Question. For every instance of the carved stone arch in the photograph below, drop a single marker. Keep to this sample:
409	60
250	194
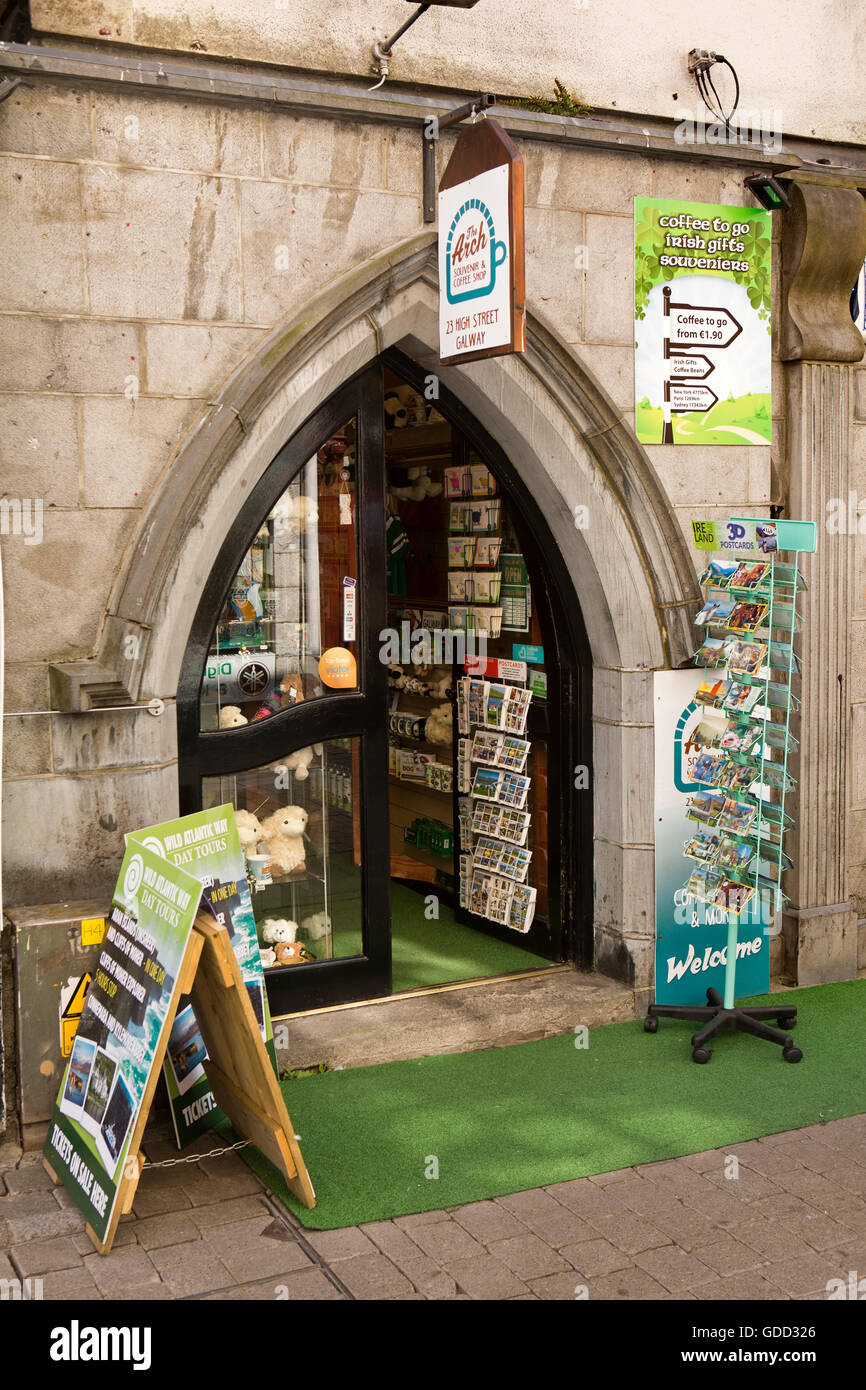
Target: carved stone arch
548	412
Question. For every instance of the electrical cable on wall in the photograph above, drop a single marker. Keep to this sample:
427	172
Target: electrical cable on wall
700	65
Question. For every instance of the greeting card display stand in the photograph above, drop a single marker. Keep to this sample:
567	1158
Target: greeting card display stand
742	768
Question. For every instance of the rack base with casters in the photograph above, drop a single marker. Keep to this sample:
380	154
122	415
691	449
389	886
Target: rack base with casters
716	1019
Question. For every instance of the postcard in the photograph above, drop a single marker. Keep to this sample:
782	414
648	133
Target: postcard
715	612
486	784
712	692
738	740
736	816
748	617
703	885
736	777
460	586
741	698
749	575
733	896
705	807
494	712
461	551
707	766
485	587
483	481
487	549
765	533
733	855
522	908
712	652
456	481
746	657
711	729
702	846
718	573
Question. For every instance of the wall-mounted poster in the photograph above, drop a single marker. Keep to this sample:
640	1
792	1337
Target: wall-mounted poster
702	323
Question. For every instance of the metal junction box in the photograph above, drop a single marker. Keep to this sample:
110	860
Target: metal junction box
55	949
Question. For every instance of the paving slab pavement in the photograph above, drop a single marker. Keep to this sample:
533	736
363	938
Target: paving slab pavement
781	1223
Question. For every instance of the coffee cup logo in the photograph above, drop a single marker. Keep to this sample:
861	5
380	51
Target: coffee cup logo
472	253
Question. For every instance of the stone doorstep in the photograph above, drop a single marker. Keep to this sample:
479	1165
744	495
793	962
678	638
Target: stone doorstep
467	1019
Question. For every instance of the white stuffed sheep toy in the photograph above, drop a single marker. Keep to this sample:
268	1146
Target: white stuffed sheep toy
250	831
317	925
231	717
284	834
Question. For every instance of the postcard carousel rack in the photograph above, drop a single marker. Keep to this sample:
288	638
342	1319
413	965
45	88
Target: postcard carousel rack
740	753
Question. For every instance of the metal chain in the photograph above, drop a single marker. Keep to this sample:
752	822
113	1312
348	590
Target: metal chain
196	1158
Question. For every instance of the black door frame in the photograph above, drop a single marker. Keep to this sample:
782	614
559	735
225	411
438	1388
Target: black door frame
363	713
359	713
567	719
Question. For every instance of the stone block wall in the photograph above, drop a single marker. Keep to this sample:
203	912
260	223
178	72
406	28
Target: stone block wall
152	243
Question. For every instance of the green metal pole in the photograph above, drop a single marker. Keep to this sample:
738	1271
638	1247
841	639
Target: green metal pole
731	959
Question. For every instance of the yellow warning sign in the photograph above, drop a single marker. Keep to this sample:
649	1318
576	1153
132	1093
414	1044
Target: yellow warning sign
71	1013
92	931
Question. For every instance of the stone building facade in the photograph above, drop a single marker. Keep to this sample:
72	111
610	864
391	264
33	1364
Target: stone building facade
200	250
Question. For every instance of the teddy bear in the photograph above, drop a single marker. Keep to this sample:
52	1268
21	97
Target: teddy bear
298	763
269	956
231	717
249	831
317	925
284	835
291	689
281	936
291	953
440	684
396	414
439	726
276	929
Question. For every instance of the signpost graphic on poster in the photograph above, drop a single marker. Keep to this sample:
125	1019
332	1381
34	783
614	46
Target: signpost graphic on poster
702	323
206	844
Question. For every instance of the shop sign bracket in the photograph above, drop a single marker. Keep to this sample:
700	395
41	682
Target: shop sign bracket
429	136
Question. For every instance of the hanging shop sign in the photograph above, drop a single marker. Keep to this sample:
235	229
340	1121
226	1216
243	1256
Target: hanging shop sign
482	298
118	1046
702	323
206	844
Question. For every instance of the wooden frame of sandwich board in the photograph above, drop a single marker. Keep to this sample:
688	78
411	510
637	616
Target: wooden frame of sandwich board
238	1068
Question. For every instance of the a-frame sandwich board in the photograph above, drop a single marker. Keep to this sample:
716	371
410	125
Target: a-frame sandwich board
237	1066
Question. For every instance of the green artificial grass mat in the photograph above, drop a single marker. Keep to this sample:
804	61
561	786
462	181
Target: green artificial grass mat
514	1118
436	951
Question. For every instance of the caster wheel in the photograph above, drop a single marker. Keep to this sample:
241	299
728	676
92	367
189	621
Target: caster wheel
650	1024
701	1055
786	1022
792	1054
